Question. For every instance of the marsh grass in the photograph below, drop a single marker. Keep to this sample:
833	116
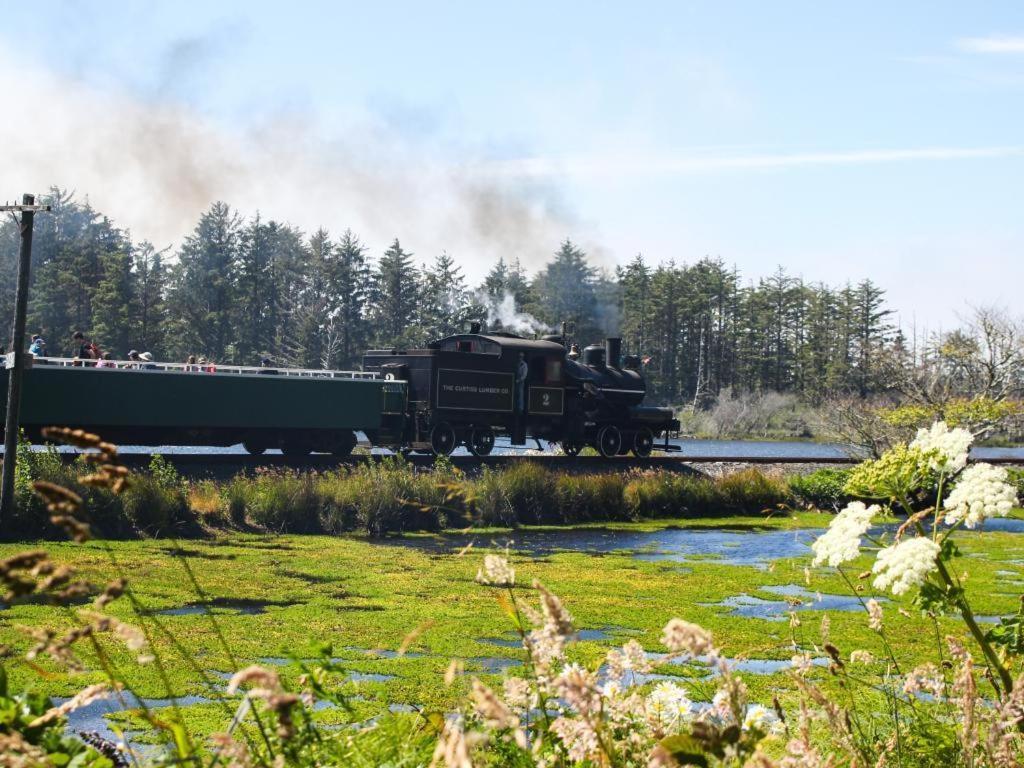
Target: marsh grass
389	497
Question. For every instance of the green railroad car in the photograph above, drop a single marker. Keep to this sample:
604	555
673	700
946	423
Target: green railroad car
170	404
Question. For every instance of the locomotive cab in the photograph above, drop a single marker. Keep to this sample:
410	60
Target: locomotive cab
467	388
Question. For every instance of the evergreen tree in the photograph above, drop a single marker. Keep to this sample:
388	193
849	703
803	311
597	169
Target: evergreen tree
496	282
114	306
445	304
255	321
347	330
564	292
203	291
872	331
635	280
151	319
395	296
518	284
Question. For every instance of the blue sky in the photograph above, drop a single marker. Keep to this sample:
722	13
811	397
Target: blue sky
840	140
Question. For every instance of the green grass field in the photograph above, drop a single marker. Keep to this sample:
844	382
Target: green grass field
357	596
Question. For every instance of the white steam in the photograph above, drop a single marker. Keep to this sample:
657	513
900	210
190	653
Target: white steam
503	315
154	168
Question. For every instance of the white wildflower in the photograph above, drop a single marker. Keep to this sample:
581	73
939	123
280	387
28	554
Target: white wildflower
950	446
924	679
611	690
802	663
636	658
518	694
905	565
453	748
759	717
720	705
841	543
492	710
455	668
265	681
874	615
861	657
980	493
556	618
579	738
683	637
668	707
496	572
579	688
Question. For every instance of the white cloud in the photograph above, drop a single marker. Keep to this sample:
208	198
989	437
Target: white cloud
992	44
653	165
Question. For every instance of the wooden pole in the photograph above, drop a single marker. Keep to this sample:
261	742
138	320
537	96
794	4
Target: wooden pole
17	355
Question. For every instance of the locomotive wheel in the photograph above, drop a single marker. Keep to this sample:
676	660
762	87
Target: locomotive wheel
609	441
570	448
344	444
643	443
254	448
481	441
442	439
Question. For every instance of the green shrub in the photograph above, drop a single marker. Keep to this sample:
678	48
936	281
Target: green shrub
282	501
209	501
235	494
524	492
164	474
389	497
490	502
581	498
150	506
821	489
100	508
665	494
751	490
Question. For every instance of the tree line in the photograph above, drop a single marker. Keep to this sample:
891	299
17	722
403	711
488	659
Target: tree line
239	289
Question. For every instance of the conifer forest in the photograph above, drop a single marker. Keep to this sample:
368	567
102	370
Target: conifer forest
241	287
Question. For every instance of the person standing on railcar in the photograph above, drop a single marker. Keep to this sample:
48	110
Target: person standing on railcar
522	371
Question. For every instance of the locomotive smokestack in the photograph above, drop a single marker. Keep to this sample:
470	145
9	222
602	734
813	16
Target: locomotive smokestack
474	327
612	351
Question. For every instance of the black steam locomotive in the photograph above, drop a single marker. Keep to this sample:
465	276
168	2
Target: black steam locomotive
468	388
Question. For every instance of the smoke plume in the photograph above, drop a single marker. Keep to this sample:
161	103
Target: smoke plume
154	167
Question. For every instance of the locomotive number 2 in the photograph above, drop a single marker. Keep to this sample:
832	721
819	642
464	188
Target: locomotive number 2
546	399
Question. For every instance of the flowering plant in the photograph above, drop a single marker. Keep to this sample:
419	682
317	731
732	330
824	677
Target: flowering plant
920	556
910	484
562	713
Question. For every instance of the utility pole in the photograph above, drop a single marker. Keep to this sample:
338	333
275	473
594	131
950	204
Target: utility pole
16	358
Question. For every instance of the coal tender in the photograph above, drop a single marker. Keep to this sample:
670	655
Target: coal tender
468	388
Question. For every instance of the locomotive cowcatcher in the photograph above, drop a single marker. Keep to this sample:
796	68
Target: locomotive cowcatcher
467	388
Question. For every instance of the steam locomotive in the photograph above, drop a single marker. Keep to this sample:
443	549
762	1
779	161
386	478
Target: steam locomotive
468	388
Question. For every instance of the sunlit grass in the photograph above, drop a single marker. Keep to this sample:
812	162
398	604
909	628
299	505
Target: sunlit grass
355	594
